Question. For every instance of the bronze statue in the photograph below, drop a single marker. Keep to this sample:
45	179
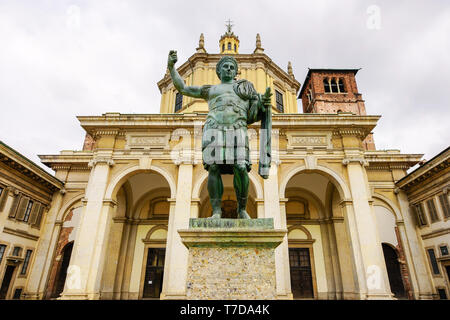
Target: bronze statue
225	147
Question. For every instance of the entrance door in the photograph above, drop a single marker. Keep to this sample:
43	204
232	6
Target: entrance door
6	281
301	276
154	273
393	270
61	278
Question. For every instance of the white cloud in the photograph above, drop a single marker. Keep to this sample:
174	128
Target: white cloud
56	65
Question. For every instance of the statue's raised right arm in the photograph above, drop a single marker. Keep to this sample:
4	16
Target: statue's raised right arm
192	91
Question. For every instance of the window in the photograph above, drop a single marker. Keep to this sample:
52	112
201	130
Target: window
341	85
432	210
26	262
229	45
1	191
420	214
2	252
178	101
433	261
443	199
28	211
326	85
444	250
223	47
334	87
235	47
16	251
442	294
279	100
17	293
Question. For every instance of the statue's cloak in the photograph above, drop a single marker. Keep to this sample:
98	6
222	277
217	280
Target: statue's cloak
246	91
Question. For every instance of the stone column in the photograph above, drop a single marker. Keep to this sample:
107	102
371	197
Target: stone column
37	280
112	258
272	210
175	267
259	208
346	276
285	243
417	263
375	272
195	207
86	265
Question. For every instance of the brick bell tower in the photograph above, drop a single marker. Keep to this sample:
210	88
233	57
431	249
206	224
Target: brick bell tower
333	91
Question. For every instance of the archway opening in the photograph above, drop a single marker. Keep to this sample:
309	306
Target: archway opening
142	204
393	270
321	265
66	253
229	203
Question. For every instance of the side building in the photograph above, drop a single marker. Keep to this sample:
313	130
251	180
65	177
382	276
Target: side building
26	193
428	191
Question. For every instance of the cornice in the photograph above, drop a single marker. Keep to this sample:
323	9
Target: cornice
341	125
20	163
430	168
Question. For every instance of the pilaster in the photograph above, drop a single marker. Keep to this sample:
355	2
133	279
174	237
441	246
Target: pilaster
377	282
420	277
272	210
37	280
175	268
86	265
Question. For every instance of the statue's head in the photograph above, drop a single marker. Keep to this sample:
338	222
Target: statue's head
227	67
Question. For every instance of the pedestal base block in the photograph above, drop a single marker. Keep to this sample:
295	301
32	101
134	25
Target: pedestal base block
231	260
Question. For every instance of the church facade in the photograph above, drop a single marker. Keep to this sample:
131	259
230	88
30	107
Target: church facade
112	230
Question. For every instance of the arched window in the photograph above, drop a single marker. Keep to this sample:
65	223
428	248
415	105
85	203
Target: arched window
223	47
326	85
229	45
341	85
334	87
235	47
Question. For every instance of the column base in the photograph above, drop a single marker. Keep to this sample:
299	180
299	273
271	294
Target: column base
288	296
172	296
426	296
33	296
79	296
379	296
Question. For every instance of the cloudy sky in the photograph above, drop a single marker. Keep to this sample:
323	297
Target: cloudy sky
60	59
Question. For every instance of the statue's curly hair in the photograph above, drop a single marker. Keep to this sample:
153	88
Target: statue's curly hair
222	61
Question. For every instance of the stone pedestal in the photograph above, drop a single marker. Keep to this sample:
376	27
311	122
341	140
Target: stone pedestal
231	258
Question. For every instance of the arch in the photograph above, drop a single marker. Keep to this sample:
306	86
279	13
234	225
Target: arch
302	228
201	180
338	181
309	196
122	176
390	205
65	208
143	199
153	230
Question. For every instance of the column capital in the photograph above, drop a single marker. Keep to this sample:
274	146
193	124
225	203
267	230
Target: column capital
110	162
446	190
109	202
345	203
362	161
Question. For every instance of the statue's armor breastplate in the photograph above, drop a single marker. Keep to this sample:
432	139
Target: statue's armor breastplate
227	111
